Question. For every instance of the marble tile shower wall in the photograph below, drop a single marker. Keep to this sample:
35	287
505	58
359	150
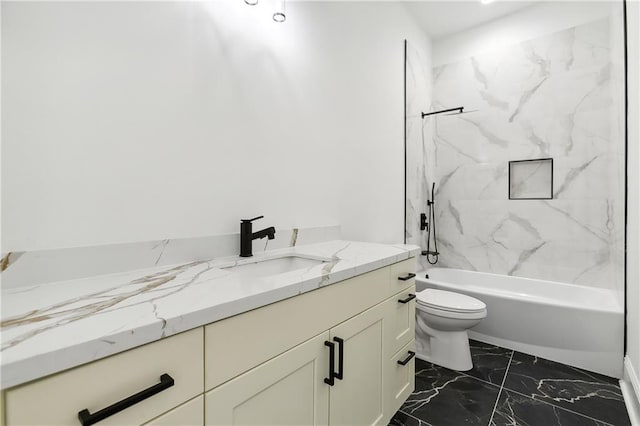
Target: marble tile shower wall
557	96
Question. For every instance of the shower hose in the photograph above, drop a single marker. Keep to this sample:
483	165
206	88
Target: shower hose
432	256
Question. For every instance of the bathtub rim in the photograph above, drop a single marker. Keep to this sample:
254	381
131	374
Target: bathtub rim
613	305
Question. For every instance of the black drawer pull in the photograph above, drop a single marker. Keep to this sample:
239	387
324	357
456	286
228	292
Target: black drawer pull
332	363
86	418
407	359
340	374
409	298
407	277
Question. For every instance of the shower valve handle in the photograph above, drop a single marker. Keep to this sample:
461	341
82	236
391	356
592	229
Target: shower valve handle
424	225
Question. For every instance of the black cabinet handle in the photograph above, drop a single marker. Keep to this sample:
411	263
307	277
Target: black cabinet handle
340	374
407	277
86	418
409	298
332	362
407	359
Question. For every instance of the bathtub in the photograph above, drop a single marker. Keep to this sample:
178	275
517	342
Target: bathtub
571	324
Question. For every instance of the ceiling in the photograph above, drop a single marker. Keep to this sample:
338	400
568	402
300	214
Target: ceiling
443	18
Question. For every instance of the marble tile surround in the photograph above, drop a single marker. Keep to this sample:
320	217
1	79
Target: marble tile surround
45	266
557	96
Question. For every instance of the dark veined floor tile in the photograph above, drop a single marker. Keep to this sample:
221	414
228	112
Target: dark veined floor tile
518	410
402	419
489	362
578	390
444	397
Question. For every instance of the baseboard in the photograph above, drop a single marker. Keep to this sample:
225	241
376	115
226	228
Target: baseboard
630	385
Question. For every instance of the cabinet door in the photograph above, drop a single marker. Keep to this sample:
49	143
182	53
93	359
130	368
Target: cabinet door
188	414
358	398
287	390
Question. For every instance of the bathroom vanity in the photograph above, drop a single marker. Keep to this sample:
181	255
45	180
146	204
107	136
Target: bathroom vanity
326	338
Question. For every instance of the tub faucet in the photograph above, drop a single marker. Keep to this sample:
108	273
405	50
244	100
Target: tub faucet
247	235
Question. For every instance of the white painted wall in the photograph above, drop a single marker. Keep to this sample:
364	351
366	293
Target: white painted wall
141	121
532	22
633	223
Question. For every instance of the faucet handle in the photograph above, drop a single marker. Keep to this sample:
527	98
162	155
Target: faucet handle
251	220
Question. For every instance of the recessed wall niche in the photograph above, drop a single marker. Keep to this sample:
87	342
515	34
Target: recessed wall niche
531	179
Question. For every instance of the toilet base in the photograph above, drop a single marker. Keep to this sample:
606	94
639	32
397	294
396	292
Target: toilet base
449	349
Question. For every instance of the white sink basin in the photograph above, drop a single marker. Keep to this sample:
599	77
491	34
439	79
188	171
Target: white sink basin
274	266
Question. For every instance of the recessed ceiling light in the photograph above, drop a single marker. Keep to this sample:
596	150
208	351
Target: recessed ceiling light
486	1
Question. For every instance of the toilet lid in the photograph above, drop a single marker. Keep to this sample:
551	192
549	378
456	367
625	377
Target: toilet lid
449	301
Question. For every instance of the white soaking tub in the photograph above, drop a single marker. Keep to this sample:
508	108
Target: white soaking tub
575	325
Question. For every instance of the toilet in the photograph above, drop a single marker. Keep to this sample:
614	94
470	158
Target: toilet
442	321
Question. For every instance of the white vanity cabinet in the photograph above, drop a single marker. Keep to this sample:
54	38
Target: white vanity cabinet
270	365
366	324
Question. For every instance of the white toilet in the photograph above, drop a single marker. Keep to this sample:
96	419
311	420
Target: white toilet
442	321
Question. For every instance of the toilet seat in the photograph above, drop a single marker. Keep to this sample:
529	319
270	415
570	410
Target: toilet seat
467	315
441	300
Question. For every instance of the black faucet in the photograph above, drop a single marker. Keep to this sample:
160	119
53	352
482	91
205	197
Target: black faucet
247	235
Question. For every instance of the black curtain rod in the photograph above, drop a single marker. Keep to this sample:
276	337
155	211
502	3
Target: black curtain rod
460	109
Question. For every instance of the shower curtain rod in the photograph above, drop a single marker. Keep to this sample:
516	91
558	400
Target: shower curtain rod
459	109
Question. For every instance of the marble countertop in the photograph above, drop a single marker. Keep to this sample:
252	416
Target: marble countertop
51	327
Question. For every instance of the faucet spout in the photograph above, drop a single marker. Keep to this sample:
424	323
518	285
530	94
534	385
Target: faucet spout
269	232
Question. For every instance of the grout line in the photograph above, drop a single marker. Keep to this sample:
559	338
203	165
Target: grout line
504	379
474	377
478	379
559	407
412	416
470	377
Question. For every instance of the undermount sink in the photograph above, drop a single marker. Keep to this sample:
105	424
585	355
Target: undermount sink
274	266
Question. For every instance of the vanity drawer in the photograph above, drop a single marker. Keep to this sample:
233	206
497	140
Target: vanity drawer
57	399
402	274
399	379
401	320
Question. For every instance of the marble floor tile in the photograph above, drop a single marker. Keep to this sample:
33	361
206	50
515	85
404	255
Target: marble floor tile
580	391
444	397
489	362
402	419
518	410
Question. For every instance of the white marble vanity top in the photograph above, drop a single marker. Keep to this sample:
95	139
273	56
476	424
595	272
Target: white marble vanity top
51	327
